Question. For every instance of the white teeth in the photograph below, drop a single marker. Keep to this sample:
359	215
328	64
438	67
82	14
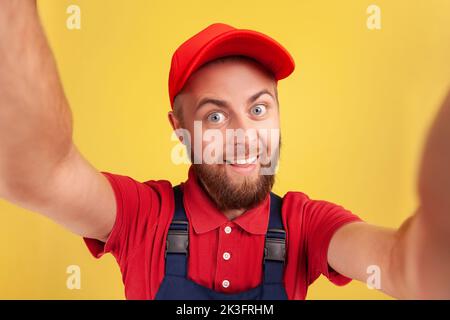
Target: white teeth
243	161
252	160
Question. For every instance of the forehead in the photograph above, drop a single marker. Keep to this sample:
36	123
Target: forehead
232	76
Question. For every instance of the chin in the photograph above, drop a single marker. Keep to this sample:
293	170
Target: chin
237	177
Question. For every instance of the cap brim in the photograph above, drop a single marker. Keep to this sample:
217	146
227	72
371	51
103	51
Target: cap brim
247	43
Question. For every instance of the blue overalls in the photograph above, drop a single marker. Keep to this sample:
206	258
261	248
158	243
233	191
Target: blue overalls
176	285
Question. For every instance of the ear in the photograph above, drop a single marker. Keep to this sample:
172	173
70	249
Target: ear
175	123
173	120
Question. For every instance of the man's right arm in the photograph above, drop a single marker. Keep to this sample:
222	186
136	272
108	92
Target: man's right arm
40	167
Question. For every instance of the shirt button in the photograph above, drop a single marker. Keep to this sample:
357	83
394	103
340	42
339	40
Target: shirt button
226	256
227	229
225	283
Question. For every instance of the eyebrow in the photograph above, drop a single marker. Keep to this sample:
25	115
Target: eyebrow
224	104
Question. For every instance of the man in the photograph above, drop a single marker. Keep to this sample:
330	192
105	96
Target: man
221	234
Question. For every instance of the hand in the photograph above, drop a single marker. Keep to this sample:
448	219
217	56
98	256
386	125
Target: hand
429	237
434	175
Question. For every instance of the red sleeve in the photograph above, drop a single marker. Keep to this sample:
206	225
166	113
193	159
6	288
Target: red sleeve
137	208
322	220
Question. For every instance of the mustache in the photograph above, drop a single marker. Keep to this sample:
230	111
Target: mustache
267	155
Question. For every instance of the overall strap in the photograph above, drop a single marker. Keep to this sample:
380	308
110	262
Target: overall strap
177	242
275	244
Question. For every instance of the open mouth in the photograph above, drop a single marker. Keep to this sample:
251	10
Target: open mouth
243	165
242	161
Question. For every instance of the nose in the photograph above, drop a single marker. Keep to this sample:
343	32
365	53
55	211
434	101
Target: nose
242	136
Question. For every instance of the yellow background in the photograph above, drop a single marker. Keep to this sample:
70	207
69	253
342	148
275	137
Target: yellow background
354	114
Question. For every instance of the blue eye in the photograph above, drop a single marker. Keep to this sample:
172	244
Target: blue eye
216	117
258	110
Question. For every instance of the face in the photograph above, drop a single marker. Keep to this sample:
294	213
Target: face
230	110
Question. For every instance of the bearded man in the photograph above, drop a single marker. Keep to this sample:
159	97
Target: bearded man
222	234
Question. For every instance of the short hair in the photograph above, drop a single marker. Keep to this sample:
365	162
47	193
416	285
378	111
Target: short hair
177	107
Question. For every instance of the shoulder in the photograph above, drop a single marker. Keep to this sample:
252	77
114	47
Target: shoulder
295	202
295	198
133	196
301	211
164	187
127	185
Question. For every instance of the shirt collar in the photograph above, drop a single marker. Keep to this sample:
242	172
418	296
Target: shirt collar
205	216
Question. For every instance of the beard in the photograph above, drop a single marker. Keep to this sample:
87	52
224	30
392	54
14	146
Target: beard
228	195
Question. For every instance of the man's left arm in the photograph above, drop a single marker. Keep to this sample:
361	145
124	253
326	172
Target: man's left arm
414	261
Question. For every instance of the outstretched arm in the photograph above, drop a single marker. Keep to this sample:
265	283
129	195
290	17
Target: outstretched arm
40	167
415	259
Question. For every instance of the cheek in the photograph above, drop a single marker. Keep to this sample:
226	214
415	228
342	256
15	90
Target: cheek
269	142
273	120
212	146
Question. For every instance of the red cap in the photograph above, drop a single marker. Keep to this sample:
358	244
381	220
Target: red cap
221	40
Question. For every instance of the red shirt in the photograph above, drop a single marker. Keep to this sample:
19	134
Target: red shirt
144	213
